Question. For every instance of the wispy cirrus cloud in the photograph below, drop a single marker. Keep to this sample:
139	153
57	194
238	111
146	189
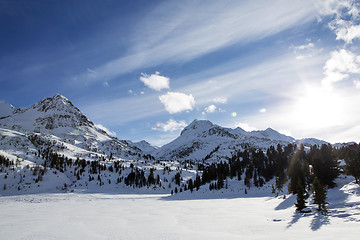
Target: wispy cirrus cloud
178	31
305	51
272	75
220	100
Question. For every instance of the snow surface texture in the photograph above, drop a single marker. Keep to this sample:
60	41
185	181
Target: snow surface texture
216	215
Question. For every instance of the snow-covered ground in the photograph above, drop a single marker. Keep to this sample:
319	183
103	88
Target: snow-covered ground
214	215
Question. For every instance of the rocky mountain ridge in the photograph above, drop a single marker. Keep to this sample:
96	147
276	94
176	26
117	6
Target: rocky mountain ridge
202	137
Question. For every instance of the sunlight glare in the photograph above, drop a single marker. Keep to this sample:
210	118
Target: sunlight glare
318	108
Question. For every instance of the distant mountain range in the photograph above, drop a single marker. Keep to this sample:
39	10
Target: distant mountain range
57	119
203	139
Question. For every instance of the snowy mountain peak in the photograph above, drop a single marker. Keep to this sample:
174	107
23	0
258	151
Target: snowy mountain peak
274	135
199	125
57	121
145	146
48	114
270	130
311	141
204	140
57	103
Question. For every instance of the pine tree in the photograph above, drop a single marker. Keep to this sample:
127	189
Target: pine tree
325	165
352	159
298	170
300	196
190	185
319	194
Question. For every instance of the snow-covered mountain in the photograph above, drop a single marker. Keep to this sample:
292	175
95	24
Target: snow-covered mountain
204	140
57	121
144	146
311	142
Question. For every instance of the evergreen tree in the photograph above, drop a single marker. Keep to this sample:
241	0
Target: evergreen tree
297	172
190	185
177	178
352	159
325	165
319	194
301	195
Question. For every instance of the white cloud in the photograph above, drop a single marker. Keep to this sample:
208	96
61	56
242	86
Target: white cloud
339	66
170	126
210	109
155	81
345	23
101	127
220	100
357	84
176	102
303	47
262	110
348	32
305	51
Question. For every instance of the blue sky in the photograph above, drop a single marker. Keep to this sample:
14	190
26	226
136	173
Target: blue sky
146	69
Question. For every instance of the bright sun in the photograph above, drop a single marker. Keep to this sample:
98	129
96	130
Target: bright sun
318	108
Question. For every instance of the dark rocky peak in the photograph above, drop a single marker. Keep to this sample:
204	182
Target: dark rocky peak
58	111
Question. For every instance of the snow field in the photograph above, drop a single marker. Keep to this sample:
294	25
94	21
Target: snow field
194	215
